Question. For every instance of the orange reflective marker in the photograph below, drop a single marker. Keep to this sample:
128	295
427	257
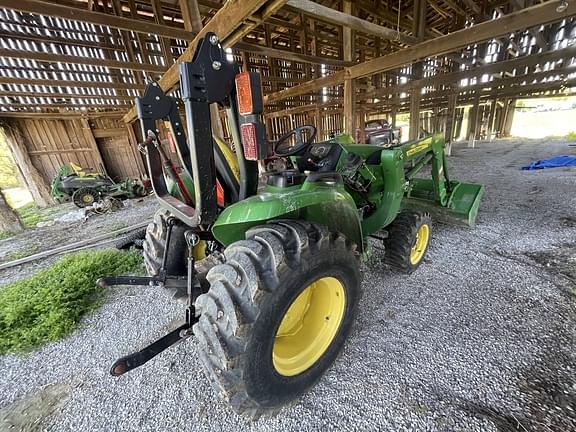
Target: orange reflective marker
249	93
244	89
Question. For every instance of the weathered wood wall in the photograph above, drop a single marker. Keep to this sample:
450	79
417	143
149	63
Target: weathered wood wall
100	144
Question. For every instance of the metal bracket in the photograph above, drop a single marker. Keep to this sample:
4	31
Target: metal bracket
182	330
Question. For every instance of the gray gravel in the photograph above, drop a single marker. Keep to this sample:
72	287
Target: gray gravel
480	338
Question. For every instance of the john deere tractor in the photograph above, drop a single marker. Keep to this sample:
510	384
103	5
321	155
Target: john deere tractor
271	274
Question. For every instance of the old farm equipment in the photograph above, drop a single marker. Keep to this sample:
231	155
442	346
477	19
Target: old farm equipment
85	188
271	277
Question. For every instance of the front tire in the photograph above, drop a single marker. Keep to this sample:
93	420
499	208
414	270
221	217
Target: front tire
277	313
408	239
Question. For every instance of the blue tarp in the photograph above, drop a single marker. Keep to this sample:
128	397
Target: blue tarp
555	162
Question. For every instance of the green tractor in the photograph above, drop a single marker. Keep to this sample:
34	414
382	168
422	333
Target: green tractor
84	188
271	273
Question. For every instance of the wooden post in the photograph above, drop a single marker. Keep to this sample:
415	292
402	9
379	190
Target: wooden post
35	183
348	48
87	131
473	122
508	118
133	141
418	29
490	129
449	132
318	123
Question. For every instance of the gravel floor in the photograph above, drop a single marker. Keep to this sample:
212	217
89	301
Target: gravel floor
480	338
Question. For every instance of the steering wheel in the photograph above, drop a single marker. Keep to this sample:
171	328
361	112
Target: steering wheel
295	141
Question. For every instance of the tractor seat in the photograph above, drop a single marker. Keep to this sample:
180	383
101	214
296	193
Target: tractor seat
320	157
374	158
287	178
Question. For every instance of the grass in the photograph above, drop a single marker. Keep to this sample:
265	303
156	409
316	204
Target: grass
117	226
49	305
571	136
30	214
5	234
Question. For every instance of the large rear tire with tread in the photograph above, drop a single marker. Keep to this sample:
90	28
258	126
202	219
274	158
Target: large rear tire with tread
286	276
408	240
155	244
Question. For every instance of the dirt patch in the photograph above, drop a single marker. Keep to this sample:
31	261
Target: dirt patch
551	389
568	221
28	413
560	261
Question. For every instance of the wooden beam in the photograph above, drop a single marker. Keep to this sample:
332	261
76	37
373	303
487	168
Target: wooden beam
252	22
316	84
59	58
191	15
73	13
105	104
289	55
63	95
543	13
224	23
333	16
60	116
490	68
68	83
108	133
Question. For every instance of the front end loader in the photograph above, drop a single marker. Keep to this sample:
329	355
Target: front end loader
271	274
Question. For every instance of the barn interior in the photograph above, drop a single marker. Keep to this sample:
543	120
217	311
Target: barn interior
478	340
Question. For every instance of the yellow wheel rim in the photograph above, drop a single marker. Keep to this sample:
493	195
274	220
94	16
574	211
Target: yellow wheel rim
309	326
199	251
87	198
422	237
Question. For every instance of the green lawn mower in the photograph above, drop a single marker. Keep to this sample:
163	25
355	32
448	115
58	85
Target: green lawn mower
271	275
85	188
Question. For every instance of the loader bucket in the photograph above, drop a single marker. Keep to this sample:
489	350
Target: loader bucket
461	207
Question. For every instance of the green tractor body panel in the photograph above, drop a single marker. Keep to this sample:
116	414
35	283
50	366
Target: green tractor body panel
320	202
460	209
389	183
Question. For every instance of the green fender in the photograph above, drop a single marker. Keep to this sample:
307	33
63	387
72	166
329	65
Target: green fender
325	203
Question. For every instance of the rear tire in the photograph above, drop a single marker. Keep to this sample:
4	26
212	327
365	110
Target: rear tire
242	316
134	239
155	244
177	258
408	240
